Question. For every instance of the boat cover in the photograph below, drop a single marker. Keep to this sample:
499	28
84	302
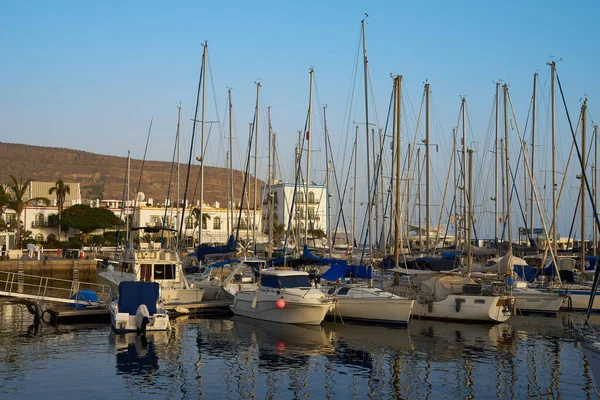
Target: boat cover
338	271
84	295
307	258
440	287
205	250
132	294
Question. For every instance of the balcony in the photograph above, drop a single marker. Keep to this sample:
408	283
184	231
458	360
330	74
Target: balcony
44	224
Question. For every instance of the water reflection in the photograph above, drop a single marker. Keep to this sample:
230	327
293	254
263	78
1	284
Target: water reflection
137	354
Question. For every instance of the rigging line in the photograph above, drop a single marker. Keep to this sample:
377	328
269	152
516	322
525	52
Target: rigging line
143	163
445	192
375	183
122	206
246	174
162	237
343	197
187	179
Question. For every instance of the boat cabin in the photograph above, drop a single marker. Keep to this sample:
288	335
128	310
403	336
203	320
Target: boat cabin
285	279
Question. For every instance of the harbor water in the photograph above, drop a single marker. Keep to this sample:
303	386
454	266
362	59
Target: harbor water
237	358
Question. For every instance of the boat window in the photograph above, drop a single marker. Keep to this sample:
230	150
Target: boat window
331	291
294	281
269	281
343	291
164	271
479	301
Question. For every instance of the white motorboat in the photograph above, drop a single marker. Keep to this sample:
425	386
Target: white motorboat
137	309
360	302
285	296
151	263
223	279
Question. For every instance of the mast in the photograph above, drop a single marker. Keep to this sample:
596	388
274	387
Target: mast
503	210
464	161
553	230
408	186
456	219
231	205
496	169
398	212
470	213
270	184
202	129
582	196
365	70
533	123
129	216
354	187
178	143
595	183
328	182
507	161
427	162
308	133
419	198
255	127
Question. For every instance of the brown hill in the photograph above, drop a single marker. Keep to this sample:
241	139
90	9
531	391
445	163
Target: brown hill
101	177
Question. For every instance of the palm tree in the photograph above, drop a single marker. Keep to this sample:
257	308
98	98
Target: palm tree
4	198
62	191
17	202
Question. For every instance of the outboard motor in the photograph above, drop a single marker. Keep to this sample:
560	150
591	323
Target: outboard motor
142	317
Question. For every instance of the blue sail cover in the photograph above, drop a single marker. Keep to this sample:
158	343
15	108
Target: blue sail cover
204	250
132	294
307	255
338	271
306	258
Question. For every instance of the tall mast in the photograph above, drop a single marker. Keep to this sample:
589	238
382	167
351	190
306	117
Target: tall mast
202	129
365	70
308	133
419	198
553	230
397	212
582	196
129	216
464	162
354	185
408	185
178	143
533	122
270	185
507	161
255	163
427	162
470	213
328	184
456	214
503	203
231	205
595	183
496	169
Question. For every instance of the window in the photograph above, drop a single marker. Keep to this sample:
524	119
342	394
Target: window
39	220
189	222
204	223
164	271
301	212
39	237
311	197
155	220
282	282
300	197
311	213
217	223
343	291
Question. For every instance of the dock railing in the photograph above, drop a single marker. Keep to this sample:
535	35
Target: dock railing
43	288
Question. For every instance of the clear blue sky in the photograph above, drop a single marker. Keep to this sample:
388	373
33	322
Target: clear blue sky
90	75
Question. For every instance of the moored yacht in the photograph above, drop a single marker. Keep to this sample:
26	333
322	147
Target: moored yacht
137	309
285	296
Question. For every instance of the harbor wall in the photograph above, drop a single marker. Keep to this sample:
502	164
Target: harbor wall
61	268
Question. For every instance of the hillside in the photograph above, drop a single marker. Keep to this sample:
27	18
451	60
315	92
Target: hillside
101	177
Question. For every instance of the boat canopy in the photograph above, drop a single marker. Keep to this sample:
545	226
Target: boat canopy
307	258
338	271
204	250
132	294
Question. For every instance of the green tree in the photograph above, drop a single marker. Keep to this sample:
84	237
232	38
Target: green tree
4	199
18	193
87	219
61	191
278	231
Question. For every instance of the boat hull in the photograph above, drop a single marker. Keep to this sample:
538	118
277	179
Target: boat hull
253	305
578	299
390	311
592	355
490	309
123	322
530	302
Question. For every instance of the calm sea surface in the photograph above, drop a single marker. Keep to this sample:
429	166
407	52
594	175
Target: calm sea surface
231	358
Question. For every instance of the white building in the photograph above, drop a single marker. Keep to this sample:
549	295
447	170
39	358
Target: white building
283	196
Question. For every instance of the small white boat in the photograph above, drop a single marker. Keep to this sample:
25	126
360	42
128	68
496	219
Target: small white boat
284	296
137	309
223	279
536	301
360	302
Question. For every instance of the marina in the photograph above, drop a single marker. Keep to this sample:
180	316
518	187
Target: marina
234	357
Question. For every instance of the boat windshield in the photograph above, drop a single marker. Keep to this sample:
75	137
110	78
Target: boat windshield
282	282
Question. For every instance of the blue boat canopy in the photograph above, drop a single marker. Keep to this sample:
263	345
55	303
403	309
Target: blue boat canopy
338	271
204	250
132	294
